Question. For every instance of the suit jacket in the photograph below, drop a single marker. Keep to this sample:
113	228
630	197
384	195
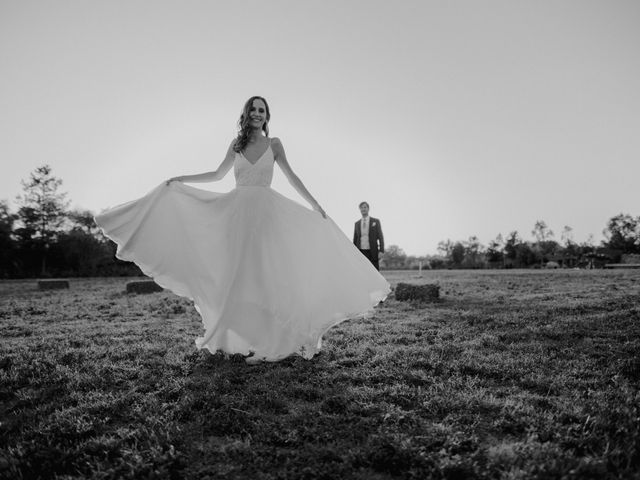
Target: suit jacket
376	240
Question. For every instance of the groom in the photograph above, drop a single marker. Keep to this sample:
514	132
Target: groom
367	234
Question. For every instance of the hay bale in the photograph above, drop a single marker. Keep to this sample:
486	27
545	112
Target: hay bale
420	293
143	286
53	284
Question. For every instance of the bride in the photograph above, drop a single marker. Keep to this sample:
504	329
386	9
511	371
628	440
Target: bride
268	276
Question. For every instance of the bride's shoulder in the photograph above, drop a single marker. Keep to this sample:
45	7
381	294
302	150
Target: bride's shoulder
231	151
232	145
276	145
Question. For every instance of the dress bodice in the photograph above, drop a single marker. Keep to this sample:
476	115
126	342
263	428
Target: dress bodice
257	174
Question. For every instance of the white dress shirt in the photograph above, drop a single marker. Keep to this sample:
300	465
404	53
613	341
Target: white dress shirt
364	234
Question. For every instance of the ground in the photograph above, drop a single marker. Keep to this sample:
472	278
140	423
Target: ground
513	374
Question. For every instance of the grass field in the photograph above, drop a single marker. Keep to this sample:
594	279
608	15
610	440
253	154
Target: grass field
514	374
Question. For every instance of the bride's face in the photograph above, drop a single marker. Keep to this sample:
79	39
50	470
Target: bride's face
257	114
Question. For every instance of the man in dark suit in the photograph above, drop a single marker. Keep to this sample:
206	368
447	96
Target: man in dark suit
367	235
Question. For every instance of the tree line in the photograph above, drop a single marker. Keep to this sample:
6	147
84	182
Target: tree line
622	237
46	239
43	238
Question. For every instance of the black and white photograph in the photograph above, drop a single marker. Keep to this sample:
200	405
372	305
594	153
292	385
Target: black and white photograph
301	239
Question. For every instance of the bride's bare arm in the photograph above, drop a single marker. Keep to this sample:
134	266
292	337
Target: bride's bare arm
218	174
281	159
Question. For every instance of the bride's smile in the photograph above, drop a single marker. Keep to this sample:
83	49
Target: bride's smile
257	113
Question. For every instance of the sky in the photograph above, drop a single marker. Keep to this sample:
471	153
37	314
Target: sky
451	118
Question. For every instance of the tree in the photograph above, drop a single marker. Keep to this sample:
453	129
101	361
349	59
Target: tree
590	241
623	233
525	256
510	250
473	253
518	253
445	247
83	220
494	253
567	236
79	253
7	244
541	232
544	244
42	210
394	257
457	254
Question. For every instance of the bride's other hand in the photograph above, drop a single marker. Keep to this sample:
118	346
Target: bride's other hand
174	179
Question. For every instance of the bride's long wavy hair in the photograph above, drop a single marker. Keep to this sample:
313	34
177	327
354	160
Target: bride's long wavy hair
244	130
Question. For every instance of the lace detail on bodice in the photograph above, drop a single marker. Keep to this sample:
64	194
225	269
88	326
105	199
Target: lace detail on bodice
257	174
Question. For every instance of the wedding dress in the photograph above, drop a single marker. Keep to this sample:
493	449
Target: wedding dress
268	276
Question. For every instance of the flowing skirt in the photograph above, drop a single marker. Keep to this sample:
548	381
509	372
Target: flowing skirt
267	275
